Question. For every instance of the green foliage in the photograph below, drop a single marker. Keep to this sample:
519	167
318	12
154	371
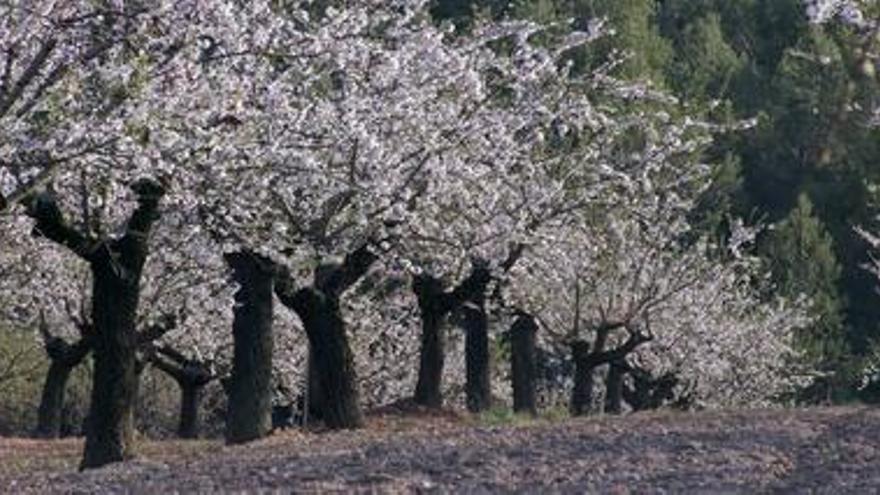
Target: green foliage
705	66
636	36
801	255
22	367
813	89
504	416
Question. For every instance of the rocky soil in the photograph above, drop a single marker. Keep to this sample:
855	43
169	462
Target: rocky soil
829	450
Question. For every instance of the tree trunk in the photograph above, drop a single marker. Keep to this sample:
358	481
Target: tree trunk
190	395
313	407
52	400
478	386
63	358
337	396
249	409
614	388
116	264
115	296
523	363
318	309
582	393
429	391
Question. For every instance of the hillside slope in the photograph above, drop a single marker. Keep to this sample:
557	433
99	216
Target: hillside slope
829	450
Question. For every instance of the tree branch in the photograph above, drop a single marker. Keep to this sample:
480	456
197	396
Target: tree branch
167	323
634	340
355	266
31	72
475	284
51	224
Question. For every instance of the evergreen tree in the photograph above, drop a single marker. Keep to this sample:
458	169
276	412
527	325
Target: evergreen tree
635	34
706	66
801	254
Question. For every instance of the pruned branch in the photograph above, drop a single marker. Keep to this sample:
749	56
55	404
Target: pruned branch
166	323
50	223
355	266
30	73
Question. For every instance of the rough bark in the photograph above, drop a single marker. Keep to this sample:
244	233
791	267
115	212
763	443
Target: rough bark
523	363
191	377
582	393
116	266
313	406
434	308
190	396
52	401
478	386
110	431
63	359
249	409
336	394
435	305
614	387
586	360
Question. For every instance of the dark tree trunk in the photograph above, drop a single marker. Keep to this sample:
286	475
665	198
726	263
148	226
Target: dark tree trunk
314	395
190	395
523	363
116	265
582	393
433	310
435	304
52	400
249	410
649	392
586	361
191	376
478	386
614	388
110	432
63	358
337	397
336	392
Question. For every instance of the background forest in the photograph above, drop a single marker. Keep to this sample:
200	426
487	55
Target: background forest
809	167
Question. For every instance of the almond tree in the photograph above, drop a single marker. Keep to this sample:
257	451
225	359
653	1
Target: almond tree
633	276
316	139
54	57
38	283
73	88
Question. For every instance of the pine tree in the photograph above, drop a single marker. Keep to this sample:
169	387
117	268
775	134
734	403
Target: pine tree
801	256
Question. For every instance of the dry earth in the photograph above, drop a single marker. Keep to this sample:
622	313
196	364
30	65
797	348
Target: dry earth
830	450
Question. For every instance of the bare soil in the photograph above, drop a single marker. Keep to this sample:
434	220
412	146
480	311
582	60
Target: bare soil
825	450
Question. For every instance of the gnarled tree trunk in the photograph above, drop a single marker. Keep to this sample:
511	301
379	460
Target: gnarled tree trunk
523	363
116	267
337	396
52	401
190	396
191	376
63	358
110	431
582	393
435	305
433	309
586	361
332	363
477	359
614	387
249	392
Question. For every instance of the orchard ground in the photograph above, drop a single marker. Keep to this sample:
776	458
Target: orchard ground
819	450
